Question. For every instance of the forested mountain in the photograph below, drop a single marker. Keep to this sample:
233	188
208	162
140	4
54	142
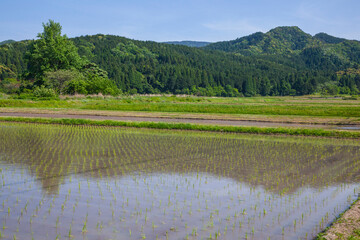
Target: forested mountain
189	43
283	40
294	44
292	47
152	67
283	61
326	38
12	59
6	42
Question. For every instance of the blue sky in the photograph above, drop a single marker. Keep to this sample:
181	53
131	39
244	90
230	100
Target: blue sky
165	20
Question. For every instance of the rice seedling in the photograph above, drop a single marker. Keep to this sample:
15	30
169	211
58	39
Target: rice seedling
116	182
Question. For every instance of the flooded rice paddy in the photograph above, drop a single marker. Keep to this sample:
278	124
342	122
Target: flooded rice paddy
64	182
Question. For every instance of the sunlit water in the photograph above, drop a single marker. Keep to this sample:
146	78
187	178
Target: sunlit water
111	183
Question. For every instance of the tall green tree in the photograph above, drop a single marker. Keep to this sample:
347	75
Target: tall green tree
51	52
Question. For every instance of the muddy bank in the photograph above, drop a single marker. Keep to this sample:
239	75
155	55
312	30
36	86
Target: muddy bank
224	122
346	225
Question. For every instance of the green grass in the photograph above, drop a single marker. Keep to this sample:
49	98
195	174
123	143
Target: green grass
257	106
187	126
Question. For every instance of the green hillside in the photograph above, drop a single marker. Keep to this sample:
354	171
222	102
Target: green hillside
153	67
292	42
281	40
283	61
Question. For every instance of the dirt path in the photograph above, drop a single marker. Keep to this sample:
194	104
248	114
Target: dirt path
212	116
227	122
346	226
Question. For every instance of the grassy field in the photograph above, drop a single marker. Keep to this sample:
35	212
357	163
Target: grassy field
301	110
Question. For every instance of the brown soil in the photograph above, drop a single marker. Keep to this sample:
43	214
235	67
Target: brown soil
344	227
236	117
216	119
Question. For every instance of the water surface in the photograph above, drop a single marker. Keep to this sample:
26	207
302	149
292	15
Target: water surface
113	183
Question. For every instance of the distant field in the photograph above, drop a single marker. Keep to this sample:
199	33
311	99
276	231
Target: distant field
283	106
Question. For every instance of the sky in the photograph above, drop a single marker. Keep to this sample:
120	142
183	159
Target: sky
175	20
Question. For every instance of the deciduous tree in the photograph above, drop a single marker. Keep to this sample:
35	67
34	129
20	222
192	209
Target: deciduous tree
51	52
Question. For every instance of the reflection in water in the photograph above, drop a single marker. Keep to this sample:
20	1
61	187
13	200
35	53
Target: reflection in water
111	183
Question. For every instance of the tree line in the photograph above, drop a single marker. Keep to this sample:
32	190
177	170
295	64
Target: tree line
110	65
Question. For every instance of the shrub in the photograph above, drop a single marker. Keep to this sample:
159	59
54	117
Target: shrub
350	98
59	79
9	85
76	86
43	92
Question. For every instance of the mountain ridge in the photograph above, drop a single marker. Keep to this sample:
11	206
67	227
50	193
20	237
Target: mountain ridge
7	42
189	43
290	41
